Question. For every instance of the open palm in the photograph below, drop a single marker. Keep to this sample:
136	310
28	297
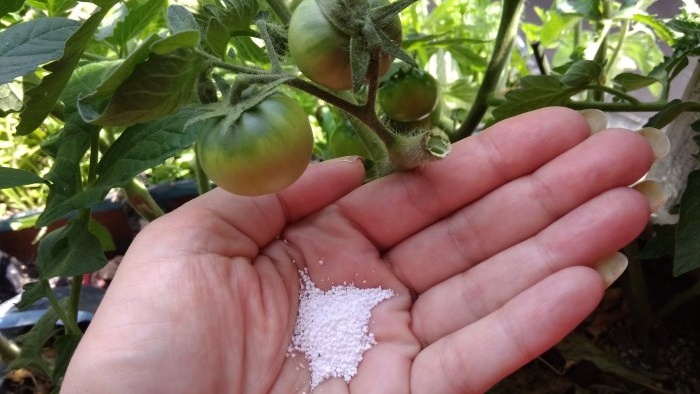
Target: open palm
489	252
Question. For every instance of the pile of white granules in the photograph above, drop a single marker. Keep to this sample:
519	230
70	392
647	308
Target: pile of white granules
332	328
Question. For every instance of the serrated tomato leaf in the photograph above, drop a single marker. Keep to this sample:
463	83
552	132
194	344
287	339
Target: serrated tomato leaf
146	145
118	74
33	292
14	177
42	98
156	88
28	45
536	91
64	175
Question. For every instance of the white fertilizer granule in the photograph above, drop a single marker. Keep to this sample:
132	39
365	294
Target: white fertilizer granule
332	328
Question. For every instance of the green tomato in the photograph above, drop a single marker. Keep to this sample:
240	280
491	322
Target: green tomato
410	96
321	51
344	141
265	150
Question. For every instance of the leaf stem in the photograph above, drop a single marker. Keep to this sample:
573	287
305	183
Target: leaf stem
71	327
216	62
74	302
507	32
141	200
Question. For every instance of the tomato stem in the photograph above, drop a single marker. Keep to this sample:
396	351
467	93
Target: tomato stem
507	32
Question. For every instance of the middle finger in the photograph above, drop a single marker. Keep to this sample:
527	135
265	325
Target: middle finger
520	209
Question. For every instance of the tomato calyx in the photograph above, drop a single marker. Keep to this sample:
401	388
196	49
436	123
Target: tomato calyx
365	27
422	146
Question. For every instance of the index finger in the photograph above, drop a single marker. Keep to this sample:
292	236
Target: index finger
392	208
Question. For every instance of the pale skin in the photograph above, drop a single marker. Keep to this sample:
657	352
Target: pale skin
490	252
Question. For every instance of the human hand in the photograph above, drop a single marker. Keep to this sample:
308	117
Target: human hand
489	251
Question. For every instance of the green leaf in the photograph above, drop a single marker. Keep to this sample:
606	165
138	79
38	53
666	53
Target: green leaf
670	112
7	6
69	251
26	46
180	19
33	344
687	252
43	97
33	292
14	177
137	149
146	145
631	81
659	28
581	73
217	38
65	172
85	79
156	88
183	40
537	91
119	74
138	19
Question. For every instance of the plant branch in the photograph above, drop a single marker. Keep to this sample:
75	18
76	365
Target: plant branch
655	106
507	31
614	92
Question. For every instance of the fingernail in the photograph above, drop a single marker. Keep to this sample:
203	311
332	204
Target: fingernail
595	118
654	192
611	267
658	140
347	159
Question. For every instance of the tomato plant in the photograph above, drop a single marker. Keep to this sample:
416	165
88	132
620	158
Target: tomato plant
263	151
321	50
112	89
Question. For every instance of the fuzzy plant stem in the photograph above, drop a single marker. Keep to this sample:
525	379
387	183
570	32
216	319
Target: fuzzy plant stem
142	201
507	32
